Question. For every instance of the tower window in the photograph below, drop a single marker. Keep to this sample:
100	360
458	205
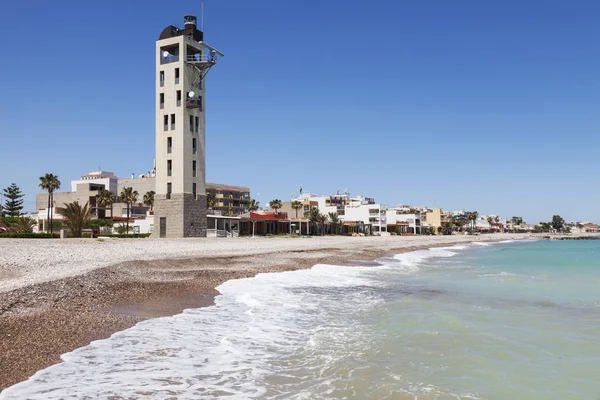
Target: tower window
169	190
197	123
169	168
200	103
176	76
191	123
200	84
194	169
169	145
166	117
162	101
194	149
179	98
162	78
194	190
172	121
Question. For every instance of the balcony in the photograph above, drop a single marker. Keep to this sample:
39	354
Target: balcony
197	58
193	103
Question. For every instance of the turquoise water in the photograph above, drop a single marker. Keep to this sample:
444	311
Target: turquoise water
479	321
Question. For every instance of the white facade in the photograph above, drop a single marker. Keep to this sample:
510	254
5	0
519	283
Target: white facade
108	179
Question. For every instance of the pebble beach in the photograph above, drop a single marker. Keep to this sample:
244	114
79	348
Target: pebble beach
58	295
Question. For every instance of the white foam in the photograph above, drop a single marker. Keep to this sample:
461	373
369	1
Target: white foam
259	327
412	260
482	244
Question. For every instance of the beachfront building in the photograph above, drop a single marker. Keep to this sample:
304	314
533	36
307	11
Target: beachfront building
402	222
141	216
434	218
182	62
229	200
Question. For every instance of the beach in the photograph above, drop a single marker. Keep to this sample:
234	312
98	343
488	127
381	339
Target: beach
59	295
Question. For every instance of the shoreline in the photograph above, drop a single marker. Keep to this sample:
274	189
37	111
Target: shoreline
40	322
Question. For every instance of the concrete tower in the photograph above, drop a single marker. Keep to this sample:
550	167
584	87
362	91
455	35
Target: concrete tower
182	62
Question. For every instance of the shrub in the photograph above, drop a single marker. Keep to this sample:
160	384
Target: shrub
99	223
30	236
131	235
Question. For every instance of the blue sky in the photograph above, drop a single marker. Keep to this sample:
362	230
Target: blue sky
488	106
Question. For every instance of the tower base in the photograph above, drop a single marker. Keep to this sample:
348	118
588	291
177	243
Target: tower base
180	216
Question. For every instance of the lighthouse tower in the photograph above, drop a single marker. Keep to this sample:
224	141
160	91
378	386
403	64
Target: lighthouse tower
182	62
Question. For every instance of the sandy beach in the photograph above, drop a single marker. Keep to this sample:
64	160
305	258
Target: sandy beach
58	295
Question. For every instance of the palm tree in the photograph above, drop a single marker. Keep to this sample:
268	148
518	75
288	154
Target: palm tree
50	183
211	200
129	196
22	225
335	220
275	205
253	205
313	216
490	221
105	199
76	216
322	220
296	205
149	199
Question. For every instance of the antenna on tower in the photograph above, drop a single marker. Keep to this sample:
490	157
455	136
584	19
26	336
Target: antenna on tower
202	20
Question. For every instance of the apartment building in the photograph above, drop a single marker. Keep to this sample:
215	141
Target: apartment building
229	200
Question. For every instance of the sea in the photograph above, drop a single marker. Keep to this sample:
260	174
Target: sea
505	320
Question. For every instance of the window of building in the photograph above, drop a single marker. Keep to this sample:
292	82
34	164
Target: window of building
179	98
194	190
172	121
176	76
200	103
191	123
169	145
169	190
162	100
194	169
200	84
169	167
194	149
197	123
162	78
169	53
166	117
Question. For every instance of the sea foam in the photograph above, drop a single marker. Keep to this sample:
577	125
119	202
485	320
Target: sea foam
267	327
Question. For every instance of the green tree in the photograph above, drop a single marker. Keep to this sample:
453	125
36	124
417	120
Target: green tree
22	225
50	183
313	217
335	221
275	205
149	199
517	221
211	200
446	228
490	221
129	197
558	224
296	205
322	221
458	221
122	229
105	199
75	216
14	201
253	205
545	226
